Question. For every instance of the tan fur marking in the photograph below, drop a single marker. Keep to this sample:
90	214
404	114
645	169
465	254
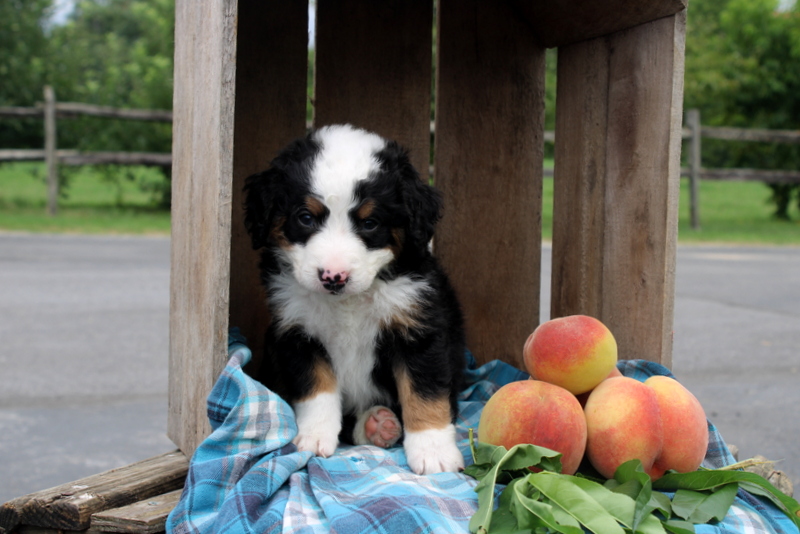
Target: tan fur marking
399	235
315	206
420	413
324	379
277	235
366	209
403	321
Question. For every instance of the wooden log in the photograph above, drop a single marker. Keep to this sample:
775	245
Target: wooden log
70	506
74	157
76	109
148	516
751	134
373	70
488	162
752	175
21	112
695	148
271	77
50	157
205	46
571	21
115	158
616	183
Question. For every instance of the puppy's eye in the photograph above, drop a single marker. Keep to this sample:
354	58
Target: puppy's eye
369	224
305	218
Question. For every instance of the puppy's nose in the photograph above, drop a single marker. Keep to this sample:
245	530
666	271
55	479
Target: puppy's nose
333	281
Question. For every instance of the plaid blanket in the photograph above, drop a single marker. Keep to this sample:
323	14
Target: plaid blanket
247	477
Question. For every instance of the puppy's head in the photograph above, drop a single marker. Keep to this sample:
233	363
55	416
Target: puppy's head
339	208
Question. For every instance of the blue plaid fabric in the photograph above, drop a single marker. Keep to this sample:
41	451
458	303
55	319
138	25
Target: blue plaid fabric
247	477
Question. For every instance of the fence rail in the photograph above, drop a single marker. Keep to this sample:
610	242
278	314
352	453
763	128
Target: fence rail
50	110
694	131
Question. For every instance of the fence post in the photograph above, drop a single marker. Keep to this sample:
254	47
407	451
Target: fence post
51	159
693	123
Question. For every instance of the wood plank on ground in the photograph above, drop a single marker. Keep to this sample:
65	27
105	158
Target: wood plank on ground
71	506
147	516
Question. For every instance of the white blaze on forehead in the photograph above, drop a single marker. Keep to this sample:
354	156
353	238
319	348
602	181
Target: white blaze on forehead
347	156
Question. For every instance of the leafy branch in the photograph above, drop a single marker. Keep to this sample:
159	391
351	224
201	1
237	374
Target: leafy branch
538	498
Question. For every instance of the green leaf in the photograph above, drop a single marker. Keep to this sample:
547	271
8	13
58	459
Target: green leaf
532	513
702	507
679	527
635	483
502	461
708	479
573	499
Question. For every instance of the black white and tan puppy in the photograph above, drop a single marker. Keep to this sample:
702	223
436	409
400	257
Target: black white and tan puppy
366	330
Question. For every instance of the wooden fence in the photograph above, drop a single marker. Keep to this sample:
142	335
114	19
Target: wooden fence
694	131
50	110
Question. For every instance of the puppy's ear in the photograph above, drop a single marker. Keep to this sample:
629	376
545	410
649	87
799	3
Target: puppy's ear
259	205
423	203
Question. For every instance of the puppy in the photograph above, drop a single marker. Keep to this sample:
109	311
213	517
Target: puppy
366	340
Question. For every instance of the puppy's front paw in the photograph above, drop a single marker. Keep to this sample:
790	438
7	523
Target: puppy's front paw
317	442
319	421
433	451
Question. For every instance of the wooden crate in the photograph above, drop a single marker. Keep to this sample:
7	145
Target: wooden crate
240	95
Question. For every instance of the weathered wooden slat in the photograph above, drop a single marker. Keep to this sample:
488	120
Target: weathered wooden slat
616	183
205	61
750	175
73	109
71	505
489	153
571	21
373	69
26	529
148	516
751	134
271	76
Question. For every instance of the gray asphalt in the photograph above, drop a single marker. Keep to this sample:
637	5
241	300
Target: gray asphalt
84	339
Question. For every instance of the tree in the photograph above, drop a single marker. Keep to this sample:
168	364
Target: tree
23	46
743	69
116	53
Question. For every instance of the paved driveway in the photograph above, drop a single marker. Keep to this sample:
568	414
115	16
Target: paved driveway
84	337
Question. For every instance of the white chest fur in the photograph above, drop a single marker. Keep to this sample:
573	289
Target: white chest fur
348	327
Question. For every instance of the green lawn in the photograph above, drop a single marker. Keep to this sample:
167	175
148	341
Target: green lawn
730	212
92	203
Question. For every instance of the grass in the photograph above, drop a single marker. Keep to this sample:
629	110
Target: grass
94	201
730	212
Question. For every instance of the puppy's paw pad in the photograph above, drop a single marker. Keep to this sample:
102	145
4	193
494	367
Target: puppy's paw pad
320	445
381	427
433	451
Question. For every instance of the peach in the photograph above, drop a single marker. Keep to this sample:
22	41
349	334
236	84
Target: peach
582	397
623	422
575	352
539	413
684	425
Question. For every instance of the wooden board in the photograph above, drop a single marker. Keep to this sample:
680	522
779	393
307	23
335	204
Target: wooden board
618	113
488	163
148	516
205	60
70	506
271	77
571	21
373	70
